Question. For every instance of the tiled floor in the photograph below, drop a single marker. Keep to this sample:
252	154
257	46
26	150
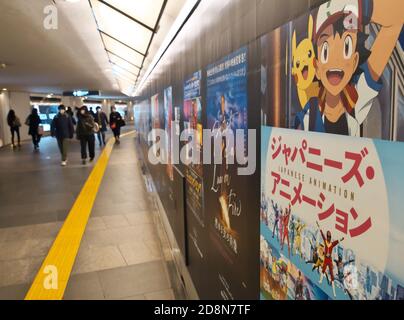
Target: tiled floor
120	256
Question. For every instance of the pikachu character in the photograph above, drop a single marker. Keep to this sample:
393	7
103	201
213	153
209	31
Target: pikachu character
303	67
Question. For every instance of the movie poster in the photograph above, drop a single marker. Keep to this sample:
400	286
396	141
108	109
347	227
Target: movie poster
335	70
196	222
193	115
227	110
168	116
330	203
193	121
156	123
331	218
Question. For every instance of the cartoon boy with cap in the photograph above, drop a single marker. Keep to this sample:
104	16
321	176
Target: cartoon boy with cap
348	72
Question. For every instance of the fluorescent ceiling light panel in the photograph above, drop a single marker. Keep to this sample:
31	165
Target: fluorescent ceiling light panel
122	50
145	11
124	64
120	27
118	70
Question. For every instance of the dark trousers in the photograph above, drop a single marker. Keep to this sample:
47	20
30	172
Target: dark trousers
90	142
101	137
15	130
63	144
35	139
117	132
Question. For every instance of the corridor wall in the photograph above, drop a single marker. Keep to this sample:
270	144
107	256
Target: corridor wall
236	60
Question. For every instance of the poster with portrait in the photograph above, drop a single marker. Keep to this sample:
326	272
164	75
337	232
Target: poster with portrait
193	117
227	219
194	187
156	123
338	70
168	119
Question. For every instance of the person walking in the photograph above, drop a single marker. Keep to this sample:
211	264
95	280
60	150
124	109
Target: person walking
33	121
62	128
116	122
69	111
85	133
14	123
102	120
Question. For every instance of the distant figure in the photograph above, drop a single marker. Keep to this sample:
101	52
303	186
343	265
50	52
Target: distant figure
102	120
116	122
69	111
14	123
33	121
85	133
92	112
62	128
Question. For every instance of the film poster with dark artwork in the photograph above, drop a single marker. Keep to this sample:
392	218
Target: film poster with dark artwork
196	223
227	215
168	116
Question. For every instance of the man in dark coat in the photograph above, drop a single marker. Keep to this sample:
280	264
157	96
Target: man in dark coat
85	133
62	128
33	121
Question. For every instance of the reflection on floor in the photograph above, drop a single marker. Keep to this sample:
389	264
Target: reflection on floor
120	256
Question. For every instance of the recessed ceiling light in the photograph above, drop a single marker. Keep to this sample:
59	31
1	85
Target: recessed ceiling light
4	89
3	66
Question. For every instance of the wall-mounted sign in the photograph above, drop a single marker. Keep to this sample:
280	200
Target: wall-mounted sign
80	93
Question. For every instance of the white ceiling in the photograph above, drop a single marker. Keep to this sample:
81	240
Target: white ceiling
71	57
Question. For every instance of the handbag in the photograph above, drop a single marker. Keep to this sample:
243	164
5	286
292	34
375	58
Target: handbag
122	123
17	122
40	130
113	126
96	127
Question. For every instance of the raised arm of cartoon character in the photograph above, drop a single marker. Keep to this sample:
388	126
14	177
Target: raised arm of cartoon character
321	231
389	15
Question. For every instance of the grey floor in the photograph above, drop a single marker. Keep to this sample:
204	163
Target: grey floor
120	256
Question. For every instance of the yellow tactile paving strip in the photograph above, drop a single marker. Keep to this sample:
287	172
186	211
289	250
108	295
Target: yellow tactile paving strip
51	281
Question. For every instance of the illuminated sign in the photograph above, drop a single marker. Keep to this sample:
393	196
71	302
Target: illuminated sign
81	93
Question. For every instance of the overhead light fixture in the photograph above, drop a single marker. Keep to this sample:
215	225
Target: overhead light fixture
3	66
4	89
122	27
179	22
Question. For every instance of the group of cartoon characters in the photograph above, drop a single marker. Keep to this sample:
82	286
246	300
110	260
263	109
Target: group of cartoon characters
288	230
337	78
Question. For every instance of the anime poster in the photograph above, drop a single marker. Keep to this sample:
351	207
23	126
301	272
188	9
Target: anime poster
168	116
337	70
331	218
227	110
193	115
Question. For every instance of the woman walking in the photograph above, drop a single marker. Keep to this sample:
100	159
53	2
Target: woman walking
14	123
33	121
116	122
85	133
